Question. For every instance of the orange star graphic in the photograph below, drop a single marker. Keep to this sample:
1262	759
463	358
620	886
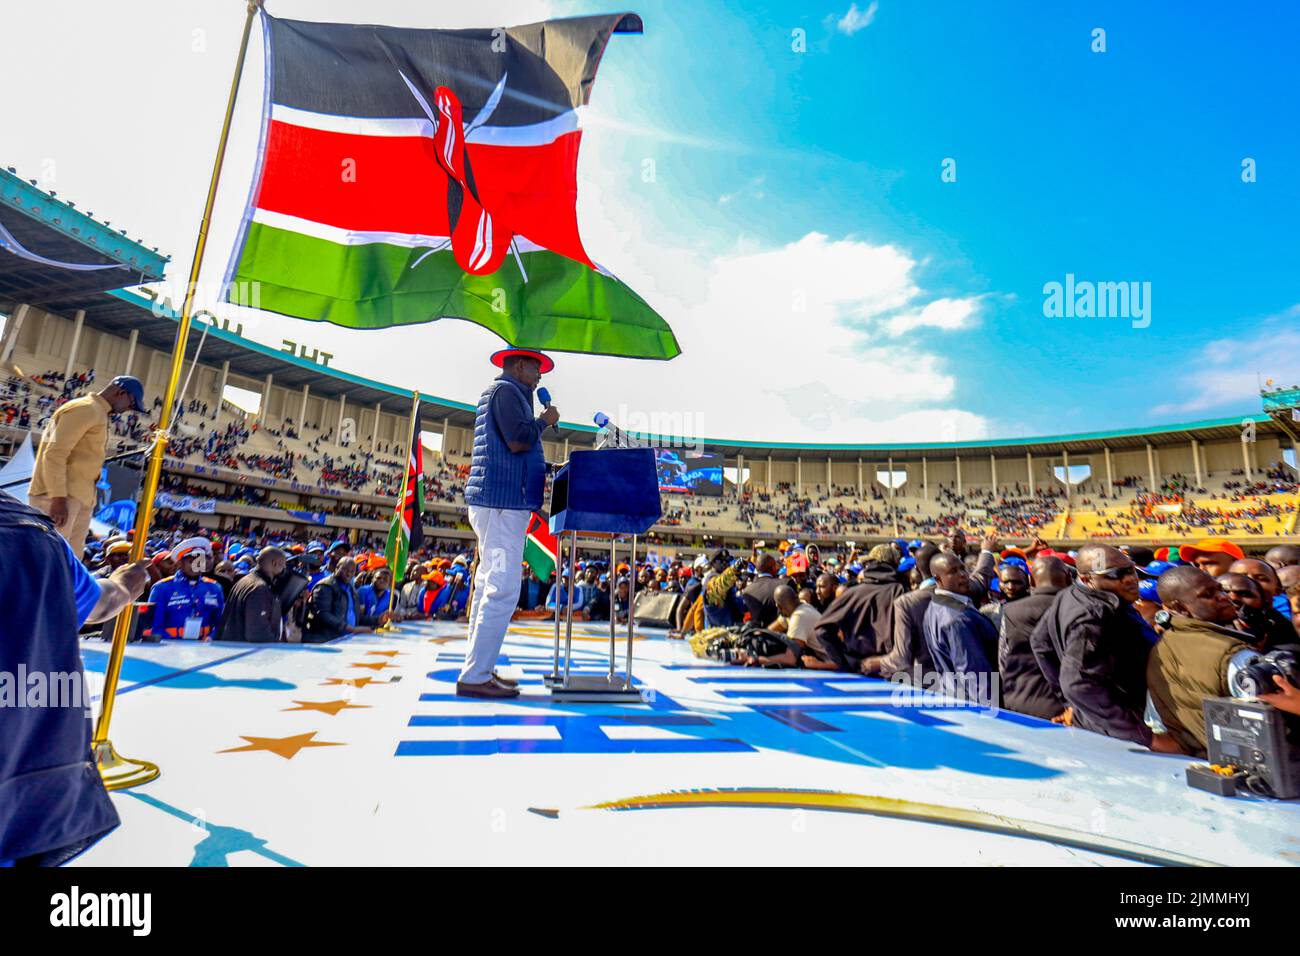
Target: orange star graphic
331	707
385	653
353	681
286	747
444	640
375	666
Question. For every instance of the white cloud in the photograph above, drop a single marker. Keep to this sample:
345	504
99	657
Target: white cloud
855	19
946	314
1230	372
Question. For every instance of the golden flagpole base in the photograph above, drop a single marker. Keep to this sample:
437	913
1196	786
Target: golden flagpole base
121	773
389	628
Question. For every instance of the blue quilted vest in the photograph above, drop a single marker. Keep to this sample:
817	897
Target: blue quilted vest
53	804
498	477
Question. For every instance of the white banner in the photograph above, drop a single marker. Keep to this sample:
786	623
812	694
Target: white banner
203	506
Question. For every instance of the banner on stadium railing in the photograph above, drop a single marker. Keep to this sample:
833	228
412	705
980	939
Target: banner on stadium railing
315	517
1170	509
203	506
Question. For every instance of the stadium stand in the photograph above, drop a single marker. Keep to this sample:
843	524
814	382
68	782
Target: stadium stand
312	455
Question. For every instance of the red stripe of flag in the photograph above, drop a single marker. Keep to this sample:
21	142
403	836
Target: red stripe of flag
394	184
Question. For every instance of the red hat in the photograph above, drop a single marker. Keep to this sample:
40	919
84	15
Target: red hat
499	358
1050	553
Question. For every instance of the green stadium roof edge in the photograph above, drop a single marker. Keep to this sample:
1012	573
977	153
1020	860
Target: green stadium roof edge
55	229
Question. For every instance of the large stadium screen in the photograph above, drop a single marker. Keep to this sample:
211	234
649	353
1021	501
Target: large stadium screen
682	471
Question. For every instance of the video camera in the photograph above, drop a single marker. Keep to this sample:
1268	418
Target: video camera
1253	745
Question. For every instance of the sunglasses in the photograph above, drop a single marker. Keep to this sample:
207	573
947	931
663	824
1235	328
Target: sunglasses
1117	574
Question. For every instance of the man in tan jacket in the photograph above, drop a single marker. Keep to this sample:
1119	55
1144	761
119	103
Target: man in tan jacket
1200	654
71	456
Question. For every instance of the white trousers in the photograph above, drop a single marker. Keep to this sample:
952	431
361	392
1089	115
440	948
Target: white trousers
496	586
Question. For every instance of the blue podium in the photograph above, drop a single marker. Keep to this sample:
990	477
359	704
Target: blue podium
610	494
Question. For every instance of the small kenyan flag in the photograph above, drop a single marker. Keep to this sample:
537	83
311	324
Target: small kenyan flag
405	533
540	547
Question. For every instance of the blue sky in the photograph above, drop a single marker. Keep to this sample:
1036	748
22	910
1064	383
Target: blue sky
785	210
1122	165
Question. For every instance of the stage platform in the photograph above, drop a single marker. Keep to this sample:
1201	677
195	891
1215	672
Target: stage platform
359	753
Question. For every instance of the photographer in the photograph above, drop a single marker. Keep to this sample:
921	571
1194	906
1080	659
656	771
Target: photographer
1262	626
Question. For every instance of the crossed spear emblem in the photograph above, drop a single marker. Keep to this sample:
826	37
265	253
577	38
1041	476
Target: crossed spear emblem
479	240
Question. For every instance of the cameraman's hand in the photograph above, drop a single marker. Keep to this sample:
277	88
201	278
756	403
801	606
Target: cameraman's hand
1286	697
551	415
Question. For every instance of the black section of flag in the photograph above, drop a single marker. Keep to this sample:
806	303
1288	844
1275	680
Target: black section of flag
351	70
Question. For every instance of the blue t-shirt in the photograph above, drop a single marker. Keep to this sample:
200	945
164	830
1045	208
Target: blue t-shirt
352	609
85	589
1283	605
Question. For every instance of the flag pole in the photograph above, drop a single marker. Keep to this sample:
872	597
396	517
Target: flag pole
401	502
120	772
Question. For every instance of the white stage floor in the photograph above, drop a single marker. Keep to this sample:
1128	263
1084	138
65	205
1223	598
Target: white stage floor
359	753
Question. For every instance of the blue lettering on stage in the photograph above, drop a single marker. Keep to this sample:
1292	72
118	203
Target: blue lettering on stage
834	717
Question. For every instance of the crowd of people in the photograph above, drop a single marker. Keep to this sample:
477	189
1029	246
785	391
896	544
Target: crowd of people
1125	642
268	589
22	406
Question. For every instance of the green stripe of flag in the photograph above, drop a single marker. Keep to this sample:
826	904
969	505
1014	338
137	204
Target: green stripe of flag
540	561
564	306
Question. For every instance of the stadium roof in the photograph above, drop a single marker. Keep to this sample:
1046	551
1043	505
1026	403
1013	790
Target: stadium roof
42	240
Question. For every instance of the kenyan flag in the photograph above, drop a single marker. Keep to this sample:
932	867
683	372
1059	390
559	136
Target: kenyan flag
410	175
406	531
540	547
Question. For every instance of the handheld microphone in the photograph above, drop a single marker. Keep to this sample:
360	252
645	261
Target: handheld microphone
544	396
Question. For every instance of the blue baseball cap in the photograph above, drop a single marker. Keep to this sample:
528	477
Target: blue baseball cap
1148	590
1155	569
1015	562
133	387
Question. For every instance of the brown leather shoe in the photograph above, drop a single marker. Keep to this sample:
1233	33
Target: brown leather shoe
487	689
508	681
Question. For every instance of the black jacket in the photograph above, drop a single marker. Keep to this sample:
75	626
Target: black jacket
327	617
253	611
908	654
860	622
759	600
1024	687
1094	647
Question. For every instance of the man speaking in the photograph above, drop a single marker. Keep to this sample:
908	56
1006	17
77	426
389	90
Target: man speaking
506	481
